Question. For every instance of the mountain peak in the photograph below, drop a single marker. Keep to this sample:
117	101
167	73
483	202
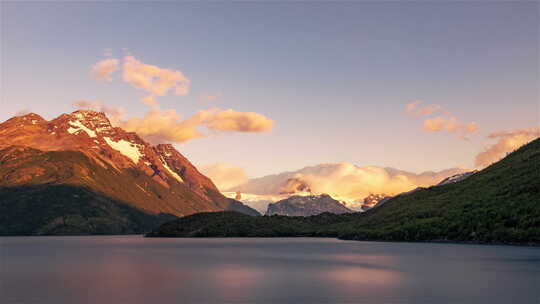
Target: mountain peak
98	120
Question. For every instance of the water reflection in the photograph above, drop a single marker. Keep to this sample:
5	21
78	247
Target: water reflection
139	270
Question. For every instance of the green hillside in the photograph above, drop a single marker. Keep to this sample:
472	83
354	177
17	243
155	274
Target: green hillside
65	210
500	204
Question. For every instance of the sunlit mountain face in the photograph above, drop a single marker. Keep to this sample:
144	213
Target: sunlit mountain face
345	182
82	157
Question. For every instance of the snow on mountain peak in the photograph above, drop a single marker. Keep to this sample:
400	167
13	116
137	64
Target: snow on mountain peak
128	149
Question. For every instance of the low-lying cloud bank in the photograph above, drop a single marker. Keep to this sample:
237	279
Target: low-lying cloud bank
507	141
343	181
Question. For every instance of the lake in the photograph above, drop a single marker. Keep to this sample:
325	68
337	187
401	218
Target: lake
133	269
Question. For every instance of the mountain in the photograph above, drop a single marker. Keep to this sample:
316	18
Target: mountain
372	200
84	153
456	178
499	204
306	206
345	182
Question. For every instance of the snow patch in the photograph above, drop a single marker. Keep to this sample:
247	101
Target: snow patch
174	174
78	126
125	147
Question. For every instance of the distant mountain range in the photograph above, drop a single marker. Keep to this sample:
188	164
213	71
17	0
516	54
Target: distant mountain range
306	206
499	204
118	182
352	185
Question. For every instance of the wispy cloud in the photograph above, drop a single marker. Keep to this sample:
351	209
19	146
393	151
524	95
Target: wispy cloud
415	108
153	79
150	100
507	141
103	70
208	98
445	121
159	125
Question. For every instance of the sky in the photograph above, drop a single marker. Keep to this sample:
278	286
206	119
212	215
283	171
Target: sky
307	82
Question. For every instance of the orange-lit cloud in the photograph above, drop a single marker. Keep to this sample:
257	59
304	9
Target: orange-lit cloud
102	70
224	175
508	141
207	98
230	120
153	79
159	125
167	126
414	108
444	122
150	100
451	125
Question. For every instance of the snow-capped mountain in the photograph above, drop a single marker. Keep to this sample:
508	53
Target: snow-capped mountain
109	160
297	205
347	183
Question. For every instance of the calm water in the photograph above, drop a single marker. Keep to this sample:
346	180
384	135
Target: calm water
133	269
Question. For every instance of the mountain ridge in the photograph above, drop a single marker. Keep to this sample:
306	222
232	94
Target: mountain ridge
84	150
499	204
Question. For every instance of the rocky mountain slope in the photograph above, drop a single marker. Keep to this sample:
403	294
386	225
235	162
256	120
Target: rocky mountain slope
499	204
306	206
84	151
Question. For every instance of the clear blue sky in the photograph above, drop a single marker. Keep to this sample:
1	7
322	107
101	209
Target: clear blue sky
335	77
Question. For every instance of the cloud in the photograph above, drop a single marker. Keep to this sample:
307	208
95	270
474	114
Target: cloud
414	109
344	181
451	125
102	70
434	124
167	126
150	100
224	175
230	120
508	141
207	98
159	126
153	79
444	122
